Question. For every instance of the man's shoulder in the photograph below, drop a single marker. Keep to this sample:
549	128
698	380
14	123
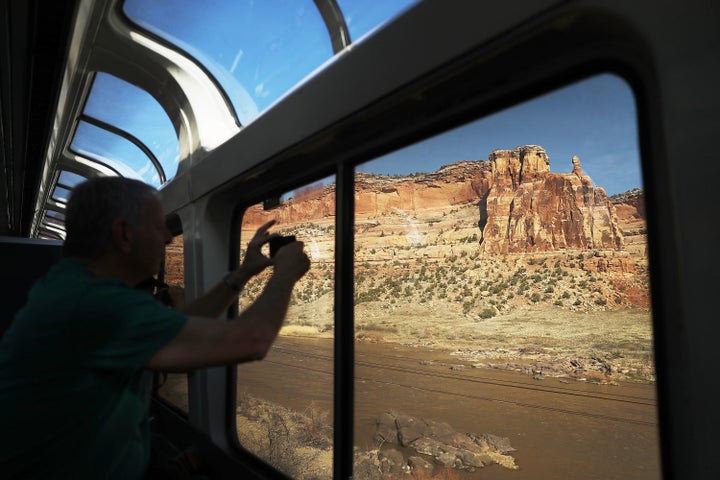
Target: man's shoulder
65	276
64	284
69	293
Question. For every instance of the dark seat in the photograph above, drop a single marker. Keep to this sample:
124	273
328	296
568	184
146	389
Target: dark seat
24	261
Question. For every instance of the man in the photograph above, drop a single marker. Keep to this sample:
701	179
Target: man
75	363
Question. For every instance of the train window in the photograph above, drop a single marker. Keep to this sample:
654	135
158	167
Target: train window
55	215
52	222
51	231
257	51
285	402
47	234
53	225
502	296
173	387
114	151
70	179
363	17
61	194
126	128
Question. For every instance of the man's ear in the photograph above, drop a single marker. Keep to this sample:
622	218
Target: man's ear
121	234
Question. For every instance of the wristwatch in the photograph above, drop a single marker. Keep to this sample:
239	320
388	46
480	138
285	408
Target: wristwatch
232	283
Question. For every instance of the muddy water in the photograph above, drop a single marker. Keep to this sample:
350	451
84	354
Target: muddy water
560	430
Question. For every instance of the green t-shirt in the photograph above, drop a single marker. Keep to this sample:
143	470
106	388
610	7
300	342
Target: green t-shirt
73	390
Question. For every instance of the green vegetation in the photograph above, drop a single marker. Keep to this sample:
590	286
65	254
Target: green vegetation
487	313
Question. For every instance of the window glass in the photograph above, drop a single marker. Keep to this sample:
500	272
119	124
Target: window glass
362	17
257	51
53	222
285	402
114	151
70	179
49	235
56	215
61	194
173	387
127	107
502	300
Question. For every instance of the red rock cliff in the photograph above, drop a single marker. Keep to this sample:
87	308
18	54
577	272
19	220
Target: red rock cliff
529	209
522	206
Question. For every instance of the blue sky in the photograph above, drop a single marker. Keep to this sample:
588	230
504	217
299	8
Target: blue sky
258	50
594	119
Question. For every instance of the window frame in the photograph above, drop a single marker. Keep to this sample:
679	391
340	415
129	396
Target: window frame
589	42
174	225
395	109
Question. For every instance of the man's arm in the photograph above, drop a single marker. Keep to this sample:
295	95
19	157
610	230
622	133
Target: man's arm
216	301
205	342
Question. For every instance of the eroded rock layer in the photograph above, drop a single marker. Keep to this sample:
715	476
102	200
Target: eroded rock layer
521	205
530	209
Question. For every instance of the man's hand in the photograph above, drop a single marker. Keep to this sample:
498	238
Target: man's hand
291	261
254	261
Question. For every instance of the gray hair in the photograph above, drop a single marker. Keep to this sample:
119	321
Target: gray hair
93	207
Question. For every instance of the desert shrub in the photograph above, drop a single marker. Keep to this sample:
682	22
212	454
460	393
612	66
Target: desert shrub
467	305
535	297
487	313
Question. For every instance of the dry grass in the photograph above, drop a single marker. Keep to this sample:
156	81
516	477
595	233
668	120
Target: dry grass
543	337
296	443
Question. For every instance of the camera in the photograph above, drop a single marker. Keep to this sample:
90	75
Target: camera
277	242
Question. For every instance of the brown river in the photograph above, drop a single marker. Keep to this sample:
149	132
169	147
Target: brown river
560	429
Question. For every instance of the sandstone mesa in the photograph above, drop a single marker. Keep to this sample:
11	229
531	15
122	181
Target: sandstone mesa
522	207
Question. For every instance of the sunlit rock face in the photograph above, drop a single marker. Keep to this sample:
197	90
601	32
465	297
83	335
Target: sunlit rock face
521	206
630	208
530	209
309	204
455	184
510	168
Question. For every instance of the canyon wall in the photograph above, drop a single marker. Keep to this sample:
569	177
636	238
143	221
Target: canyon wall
521	205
